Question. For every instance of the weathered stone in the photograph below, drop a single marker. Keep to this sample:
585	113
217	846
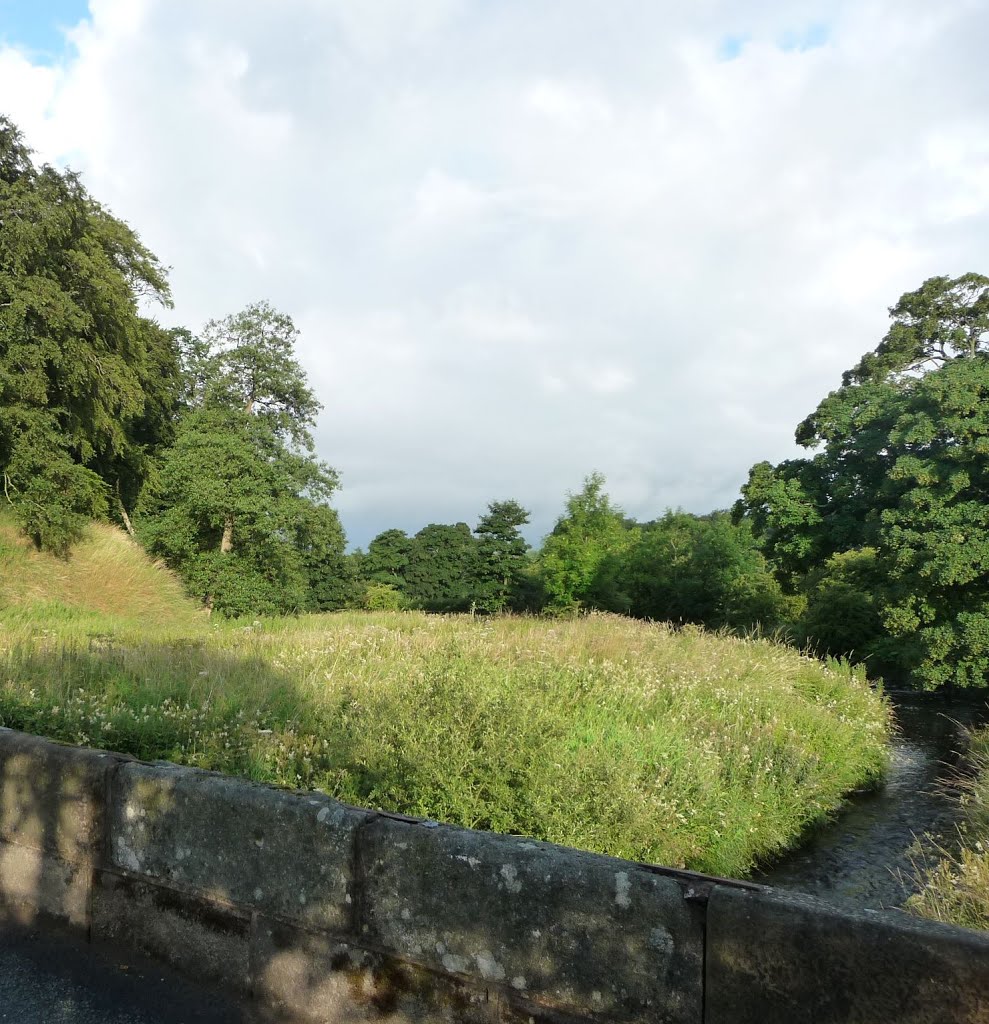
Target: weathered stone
775	958
560	927
287	854
52	796
35	884
316	978
203	938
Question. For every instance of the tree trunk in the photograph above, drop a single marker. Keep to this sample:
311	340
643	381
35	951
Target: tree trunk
227	540
128	525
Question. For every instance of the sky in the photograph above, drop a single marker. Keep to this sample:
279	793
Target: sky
525	240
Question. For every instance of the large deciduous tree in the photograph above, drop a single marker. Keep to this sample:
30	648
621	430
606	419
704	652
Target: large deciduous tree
87	385
239	506
701	569
442	569
901	469
589	532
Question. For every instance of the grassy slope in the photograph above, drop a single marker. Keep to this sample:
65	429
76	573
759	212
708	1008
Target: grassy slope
956	889
681	748
107	574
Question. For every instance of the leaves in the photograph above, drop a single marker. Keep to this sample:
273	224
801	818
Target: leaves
901	467
87	385
238	506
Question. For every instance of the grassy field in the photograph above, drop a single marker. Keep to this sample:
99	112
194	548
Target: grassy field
956	889
681	748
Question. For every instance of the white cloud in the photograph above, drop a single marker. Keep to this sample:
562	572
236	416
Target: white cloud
526	240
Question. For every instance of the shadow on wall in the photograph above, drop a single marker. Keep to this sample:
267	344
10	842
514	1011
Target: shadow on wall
328	912
325	911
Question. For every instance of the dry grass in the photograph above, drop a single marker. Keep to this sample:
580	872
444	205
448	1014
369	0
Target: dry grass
956	888
107	573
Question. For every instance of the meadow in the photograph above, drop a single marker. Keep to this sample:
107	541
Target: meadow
677	747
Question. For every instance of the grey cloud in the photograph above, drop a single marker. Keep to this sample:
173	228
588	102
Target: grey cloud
524	240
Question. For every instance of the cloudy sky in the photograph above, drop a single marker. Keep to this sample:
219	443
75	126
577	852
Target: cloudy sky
527	239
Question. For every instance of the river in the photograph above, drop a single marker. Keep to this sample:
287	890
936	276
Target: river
865	856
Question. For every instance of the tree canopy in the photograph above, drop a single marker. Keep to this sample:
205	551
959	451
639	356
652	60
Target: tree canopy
901	469
87	384
239	507
589	532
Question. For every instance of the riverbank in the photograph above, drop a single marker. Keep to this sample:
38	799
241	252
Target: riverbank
866	856
956	887
682	748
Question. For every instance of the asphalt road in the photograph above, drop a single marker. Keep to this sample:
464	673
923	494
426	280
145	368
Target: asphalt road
50	978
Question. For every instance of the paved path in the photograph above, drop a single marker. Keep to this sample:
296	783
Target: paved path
48	978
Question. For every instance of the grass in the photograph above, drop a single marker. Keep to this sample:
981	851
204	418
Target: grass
107	574
956	888
675	747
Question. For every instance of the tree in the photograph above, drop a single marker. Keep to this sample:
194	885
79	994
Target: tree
87	385
590	530
843	616
501	555
330	576
240	505
902	468
701	569
387	560
442	568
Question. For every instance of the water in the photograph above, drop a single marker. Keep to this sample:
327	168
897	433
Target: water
866	856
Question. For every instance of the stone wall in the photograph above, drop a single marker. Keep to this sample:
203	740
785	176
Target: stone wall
323	912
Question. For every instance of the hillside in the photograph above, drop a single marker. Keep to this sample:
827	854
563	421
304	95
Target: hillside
107	573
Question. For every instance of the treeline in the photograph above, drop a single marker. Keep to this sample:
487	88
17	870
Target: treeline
706	570
875	545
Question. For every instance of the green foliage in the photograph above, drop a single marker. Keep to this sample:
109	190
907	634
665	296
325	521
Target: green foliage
238	506
383	597
442	569
387	559
679	748
704	570
87	385
330	574
843	614
590	531
501	556
445	567
902	468
935	539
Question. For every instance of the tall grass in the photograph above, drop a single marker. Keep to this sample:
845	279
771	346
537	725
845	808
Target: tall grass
955	889
106	573
681	748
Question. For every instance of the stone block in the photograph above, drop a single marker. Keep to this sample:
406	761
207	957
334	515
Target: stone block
52	796
200	937
283	853
562	928
35	884
314	977
775	958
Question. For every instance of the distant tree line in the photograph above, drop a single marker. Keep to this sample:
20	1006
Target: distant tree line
873	546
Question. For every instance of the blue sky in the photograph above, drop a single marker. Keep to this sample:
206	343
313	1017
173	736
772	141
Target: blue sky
39	27
807	37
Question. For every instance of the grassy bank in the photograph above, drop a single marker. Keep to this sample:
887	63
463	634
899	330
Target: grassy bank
956	888
603	733
106	578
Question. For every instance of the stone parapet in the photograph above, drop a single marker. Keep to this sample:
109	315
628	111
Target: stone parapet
322	912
